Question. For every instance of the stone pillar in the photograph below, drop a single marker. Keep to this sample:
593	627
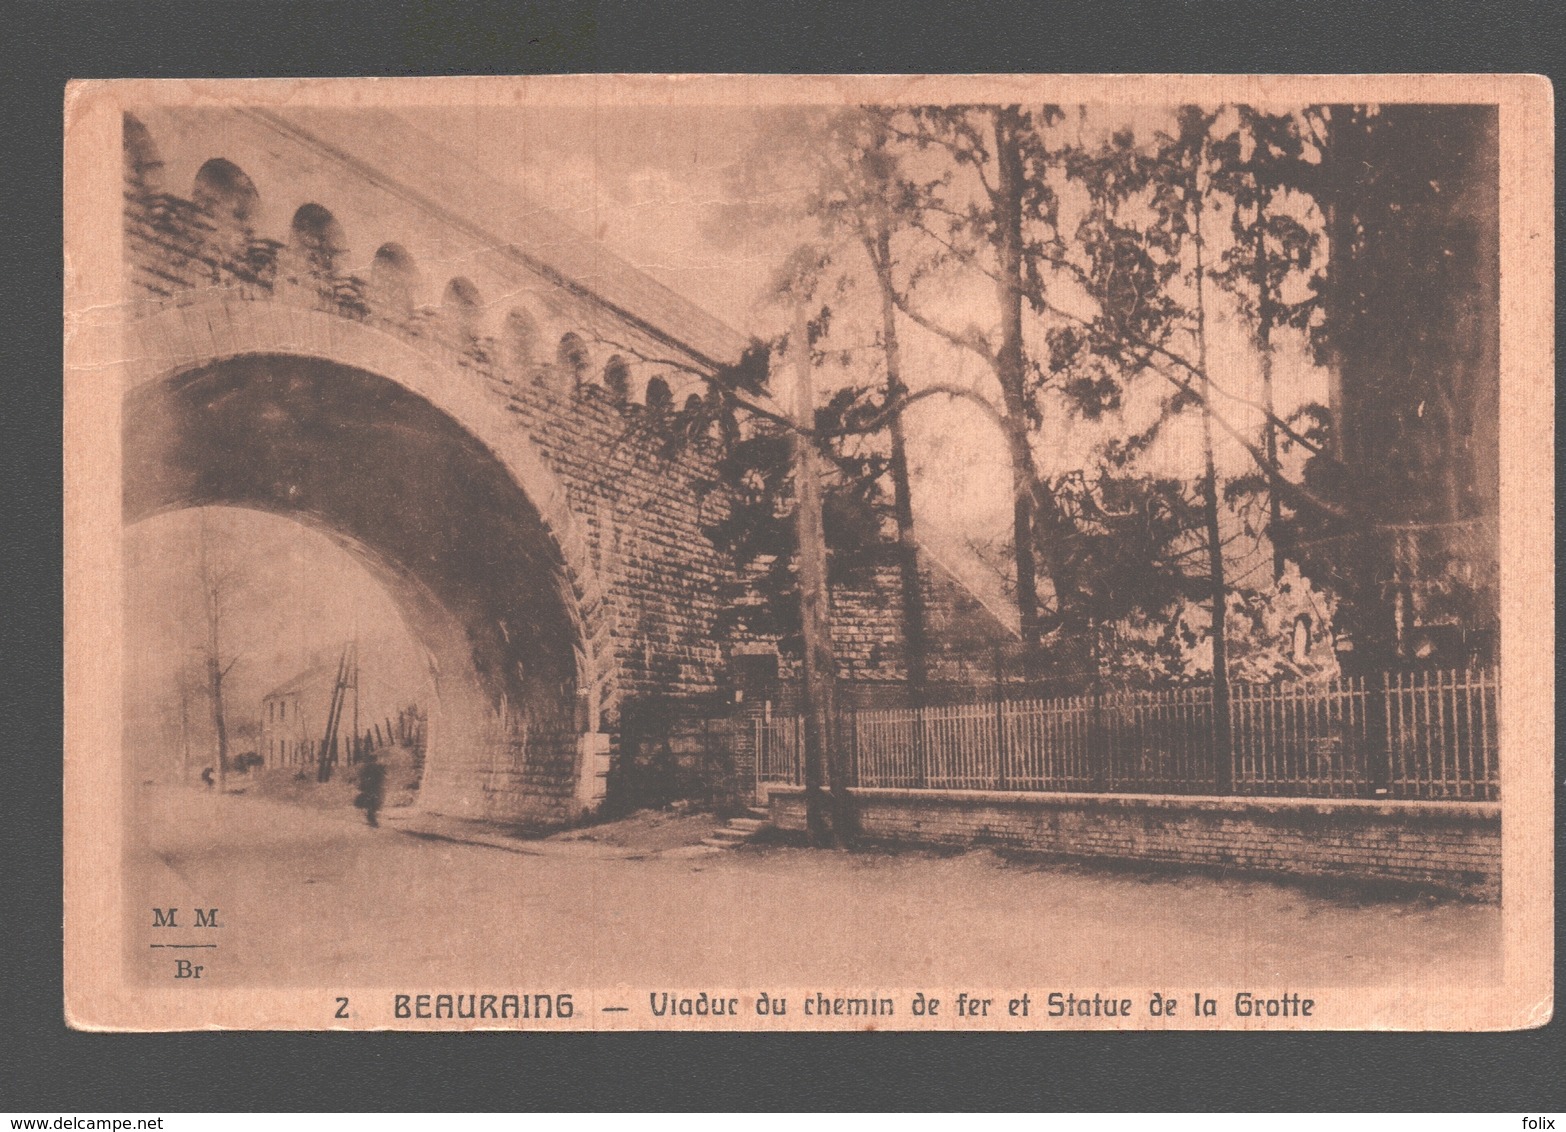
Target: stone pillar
592	770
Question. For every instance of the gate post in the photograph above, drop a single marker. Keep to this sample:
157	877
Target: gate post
1000	741
755	758
1378	731
853	748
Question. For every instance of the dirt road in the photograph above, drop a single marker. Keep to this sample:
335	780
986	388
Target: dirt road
313	897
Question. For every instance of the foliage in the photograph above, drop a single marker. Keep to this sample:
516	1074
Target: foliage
1408	317
1105	243
758	533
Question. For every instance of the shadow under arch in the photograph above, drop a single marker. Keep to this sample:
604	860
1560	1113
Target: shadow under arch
437	519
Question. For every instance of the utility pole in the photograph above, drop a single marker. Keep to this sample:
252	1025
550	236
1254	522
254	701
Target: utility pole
347	664
819	665
354	753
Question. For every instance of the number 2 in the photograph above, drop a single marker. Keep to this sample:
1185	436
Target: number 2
342	1008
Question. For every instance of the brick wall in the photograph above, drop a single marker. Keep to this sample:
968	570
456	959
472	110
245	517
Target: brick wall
867	629
505	777
1452	847
641	504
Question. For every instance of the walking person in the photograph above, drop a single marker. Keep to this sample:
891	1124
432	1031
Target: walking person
372	788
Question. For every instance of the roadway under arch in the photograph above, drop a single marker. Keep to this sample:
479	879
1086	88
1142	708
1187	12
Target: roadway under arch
441	519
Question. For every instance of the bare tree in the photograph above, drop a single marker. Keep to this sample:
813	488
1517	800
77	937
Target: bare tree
187	685
219	576
1004	232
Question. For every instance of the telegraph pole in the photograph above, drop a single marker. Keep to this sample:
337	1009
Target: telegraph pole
353	756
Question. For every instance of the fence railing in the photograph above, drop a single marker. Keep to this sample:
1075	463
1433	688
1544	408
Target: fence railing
1421	735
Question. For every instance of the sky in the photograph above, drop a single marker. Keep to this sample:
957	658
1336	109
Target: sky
646	182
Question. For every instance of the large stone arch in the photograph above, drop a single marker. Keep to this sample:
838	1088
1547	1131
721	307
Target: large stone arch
409	464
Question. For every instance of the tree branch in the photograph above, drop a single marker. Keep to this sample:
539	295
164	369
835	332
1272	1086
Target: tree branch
956	392
1287	488
970	156
971	339
968	257
1195	371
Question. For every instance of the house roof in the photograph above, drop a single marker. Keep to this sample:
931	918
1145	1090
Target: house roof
309	678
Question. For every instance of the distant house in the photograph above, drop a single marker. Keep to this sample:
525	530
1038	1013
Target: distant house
293	717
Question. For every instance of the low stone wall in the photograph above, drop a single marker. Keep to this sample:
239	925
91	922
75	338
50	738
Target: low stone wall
1452	847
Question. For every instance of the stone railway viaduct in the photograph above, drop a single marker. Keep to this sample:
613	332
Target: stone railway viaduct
331	317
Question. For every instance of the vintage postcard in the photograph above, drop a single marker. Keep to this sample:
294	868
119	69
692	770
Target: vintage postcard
765	553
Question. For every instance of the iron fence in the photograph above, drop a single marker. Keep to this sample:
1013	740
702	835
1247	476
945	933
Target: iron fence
1442	733
1420	735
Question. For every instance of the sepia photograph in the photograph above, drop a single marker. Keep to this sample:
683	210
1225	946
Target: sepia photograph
749	553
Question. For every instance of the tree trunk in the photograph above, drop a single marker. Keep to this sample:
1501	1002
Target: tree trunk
1222	751
1011	368
1265	315
184	722
915	647
821	749
215	686
1224	771
358	748
212	599
1039	526
915	657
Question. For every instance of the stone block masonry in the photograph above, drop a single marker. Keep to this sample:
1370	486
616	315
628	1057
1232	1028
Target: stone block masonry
1449	847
